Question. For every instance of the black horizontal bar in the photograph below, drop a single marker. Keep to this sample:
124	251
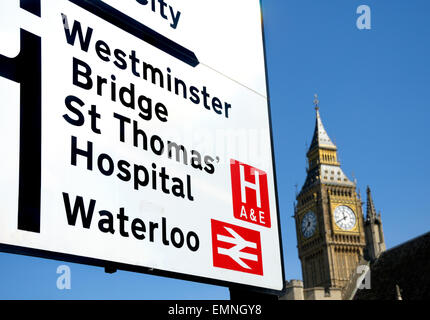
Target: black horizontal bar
137	29
32	6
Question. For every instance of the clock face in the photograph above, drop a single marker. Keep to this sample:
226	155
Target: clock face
344	217
309	224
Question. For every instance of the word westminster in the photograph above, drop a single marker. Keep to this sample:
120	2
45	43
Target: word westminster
141	70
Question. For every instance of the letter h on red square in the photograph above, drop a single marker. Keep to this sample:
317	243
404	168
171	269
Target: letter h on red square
250	194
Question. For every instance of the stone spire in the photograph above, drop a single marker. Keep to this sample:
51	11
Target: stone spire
320	137
375	243
371	212
323	165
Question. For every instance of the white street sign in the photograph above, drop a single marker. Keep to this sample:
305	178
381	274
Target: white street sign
137	133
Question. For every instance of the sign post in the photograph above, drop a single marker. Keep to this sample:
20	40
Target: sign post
138	137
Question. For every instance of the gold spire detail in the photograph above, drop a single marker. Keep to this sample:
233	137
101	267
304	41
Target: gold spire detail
316	102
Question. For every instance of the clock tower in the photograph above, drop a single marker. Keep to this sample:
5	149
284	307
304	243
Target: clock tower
328	215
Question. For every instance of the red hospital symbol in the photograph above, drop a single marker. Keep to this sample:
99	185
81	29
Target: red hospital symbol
250	194
236	248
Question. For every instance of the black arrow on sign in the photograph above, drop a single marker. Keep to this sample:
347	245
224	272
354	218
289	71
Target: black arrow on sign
26	70
137	29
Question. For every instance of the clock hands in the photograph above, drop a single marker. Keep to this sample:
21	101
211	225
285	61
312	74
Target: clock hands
344	217
308	225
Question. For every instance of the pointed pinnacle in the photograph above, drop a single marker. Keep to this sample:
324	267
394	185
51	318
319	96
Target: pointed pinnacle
371	212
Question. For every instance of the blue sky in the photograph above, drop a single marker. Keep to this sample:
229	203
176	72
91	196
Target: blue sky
373	87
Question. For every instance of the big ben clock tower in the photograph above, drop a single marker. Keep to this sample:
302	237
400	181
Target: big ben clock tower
328	216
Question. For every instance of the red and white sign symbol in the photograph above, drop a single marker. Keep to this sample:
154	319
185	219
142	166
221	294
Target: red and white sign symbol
236	248
250	194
